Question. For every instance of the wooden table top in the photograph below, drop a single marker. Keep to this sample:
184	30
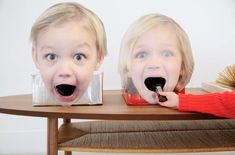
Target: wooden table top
113	108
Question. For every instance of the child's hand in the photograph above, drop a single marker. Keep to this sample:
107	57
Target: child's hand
172	100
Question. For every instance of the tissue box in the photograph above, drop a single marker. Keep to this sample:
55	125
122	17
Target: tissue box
93	95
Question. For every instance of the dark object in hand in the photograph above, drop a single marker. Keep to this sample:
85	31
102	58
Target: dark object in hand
156	84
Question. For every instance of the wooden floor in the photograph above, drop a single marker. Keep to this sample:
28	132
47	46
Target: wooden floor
148	136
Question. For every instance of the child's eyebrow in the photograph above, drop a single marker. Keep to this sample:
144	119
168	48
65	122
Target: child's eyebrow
86	45
143	47
82	45
163	46
45	47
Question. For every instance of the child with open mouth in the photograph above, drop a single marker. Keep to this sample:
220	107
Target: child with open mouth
156	49
68	45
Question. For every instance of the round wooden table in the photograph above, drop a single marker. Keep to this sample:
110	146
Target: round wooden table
113	108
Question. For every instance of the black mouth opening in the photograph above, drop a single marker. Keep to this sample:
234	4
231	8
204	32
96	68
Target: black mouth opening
153	84
65	89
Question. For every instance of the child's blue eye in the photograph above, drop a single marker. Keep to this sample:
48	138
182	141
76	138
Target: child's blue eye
167	53
79	56
51	56
141	55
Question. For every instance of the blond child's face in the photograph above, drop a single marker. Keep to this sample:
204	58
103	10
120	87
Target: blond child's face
66	57
155	54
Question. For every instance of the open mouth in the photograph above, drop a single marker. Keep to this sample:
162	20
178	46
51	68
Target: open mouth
65	89
153	82
156	84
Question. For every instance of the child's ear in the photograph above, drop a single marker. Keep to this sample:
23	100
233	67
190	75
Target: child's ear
99	62
182	72
128	73
34	56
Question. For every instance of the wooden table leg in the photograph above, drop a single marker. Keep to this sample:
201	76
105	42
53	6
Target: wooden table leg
67	121
52	136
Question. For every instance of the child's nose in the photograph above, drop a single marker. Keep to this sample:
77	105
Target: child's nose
154	63
65	70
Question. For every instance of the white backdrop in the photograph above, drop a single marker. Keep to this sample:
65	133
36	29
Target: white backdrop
210	25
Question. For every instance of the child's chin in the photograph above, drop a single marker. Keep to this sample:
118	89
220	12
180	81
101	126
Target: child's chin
150	98
66	98
152	101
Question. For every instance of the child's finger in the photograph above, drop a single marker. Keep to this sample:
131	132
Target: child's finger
163	93
164	104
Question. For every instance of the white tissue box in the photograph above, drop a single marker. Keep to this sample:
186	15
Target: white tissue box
92	96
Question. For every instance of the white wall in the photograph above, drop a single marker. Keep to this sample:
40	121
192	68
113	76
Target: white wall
210	25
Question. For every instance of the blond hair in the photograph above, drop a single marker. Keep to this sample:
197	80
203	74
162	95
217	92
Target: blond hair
63	12
141	26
